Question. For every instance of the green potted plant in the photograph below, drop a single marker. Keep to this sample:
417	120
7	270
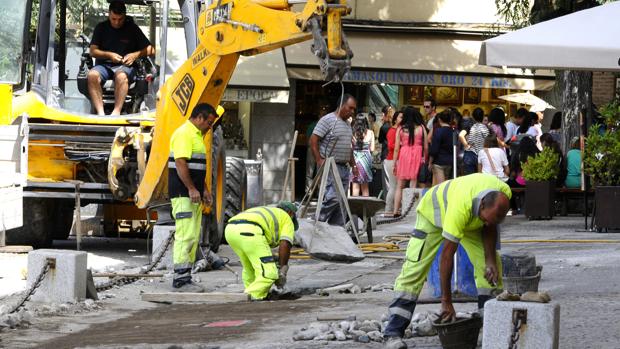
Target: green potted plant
540	173
601	162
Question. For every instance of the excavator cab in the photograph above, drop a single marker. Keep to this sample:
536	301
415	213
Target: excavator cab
146	73
61	60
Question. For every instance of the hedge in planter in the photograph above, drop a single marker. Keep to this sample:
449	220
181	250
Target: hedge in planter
602	164
540	173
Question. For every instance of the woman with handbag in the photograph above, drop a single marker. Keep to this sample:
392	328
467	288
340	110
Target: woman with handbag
410	153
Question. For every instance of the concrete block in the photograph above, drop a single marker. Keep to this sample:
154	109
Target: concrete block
160	237
541	331
66	282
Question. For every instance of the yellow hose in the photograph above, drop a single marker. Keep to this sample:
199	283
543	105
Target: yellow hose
367	248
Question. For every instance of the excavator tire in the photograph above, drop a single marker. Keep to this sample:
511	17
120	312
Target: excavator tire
214	227
61	218
236	187
36	230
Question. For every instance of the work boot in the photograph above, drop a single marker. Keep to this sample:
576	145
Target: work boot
189	287
395	343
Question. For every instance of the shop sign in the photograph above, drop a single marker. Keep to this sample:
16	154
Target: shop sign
255	95
431	79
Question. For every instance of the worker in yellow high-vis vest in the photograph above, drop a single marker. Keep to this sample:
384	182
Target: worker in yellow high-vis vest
466	211
252	234
186	187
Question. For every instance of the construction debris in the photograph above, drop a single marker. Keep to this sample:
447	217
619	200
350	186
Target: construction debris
327	242
536	297
359	331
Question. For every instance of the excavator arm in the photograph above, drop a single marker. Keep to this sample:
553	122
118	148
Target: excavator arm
227	29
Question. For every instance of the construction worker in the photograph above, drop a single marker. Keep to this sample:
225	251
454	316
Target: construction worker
466	211
187	190
252	234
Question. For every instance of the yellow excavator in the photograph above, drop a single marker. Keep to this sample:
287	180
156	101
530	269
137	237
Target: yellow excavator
64	152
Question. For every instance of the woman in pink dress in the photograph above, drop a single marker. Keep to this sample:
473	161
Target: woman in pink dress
410	153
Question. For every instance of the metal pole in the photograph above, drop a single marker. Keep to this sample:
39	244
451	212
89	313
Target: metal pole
163	36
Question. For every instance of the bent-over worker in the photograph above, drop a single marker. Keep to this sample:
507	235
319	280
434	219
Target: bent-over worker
466	211
186	187
252	234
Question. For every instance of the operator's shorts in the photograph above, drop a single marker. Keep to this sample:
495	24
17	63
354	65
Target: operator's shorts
107	71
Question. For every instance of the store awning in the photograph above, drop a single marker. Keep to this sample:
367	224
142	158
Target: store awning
418	60
259	78
586	40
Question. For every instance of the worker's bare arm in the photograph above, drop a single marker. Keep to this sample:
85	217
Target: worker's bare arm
284	252
96	52
445	277
489	241
314	146
183	172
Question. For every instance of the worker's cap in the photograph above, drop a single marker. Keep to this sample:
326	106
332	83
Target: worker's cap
290	207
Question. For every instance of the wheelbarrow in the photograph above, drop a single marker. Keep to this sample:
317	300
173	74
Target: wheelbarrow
366	207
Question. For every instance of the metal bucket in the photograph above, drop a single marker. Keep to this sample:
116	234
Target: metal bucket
522	284
254	173
461	334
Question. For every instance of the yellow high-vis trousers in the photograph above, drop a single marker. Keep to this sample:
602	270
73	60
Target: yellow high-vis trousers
259	266
187	217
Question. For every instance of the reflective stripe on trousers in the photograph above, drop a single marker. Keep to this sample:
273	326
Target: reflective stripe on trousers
188	218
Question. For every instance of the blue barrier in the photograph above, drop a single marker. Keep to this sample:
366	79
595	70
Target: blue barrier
465	272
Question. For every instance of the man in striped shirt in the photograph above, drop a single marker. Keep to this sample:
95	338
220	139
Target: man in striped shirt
332	137
466	211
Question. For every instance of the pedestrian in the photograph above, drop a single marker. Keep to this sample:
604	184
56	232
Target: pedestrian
252	234
573	165
363	143
388	165
492	159
473	141
555	129
513	125
332	138
497	124
547	141
527	147
387	115
430	110
441	151
466	211
373	124
411	150
531	126
186	178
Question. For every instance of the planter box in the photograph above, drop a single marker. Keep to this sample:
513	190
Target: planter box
540	200
607	214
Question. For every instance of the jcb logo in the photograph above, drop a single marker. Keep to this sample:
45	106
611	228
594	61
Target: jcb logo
183	93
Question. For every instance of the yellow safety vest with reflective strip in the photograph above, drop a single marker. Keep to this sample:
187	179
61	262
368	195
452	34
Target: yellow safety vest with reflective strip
186	142
453	206
277	225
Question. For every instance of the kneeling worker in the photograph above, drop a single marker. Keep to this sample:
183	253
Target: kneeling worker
252	234
465	211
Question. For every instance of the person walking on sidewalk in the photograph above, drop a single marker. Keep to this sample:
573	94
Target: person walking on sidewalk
388	165
410	153
466	211
332	138
186	187
252	234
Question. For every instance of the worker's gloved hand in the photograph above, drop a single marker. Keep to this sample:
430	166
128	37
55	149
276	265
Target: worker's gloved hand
282	276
